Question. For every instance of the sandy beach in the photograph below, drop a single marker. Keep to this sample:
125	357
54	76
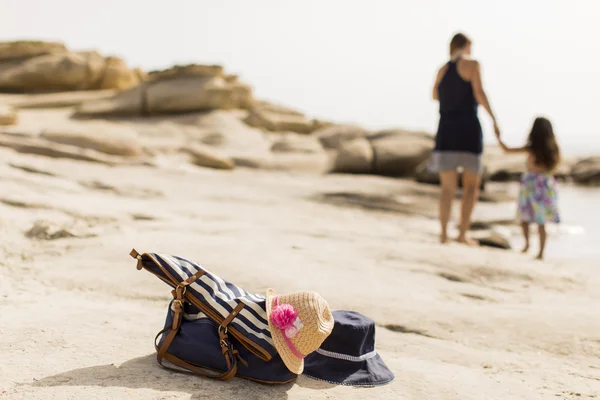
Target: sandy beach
186	161
77	319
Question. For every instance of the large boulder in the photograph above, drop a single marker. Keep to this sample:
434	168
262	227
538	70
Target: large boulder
117	75
28	48
209	157
102	137
332	137
187	94
354	157
8	115
175	91
276	118
587	171
399	153
65	72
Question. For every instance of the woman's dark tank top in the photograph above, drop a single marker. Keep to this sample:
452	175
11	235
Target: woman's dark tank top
454	93
459	129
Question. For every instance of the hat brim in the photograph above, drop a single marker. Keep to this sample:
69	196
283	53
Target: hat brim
293	363
371	372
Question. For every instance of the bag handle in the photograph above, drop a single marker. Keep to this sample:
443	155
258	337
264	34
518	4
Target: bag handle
231	355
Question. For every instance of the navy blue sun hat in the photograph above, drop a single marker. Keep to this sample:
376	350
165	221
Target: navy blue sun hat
348	356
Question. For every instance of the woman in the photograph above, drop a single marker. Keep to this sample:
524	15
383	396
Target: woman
459	140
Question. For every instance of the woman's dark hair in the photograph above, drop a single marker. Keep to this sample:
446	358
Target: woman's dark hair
459	41
542	144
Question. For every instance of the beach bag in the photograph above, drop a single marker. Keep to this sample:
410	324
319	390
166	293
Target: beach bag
213	328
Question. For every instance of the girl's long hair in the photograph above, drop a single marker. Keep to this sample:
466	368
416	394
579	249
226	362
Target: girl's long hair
542	144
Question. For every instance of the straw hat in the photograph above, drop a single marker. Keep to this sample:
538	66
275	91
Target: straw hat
299	323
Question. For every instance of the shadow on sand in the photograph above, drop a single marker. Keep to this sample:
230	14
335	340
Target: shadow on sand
144	373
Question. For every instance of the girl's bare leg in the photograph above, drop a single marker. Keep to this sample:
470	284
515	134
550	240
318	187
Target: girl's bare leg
542	234
525	228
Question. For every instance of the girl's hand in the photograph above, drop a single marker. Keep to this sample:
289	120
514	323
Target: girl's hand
496	129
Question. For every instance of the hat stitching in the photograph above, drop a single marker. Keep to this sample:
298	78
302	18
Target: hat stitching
347	357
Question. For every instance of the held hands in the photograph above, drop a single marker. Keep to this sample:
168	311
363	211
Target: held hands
496	129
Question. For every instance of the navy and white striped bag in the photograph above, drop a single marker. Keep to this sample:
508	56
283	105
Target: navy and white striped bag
213	328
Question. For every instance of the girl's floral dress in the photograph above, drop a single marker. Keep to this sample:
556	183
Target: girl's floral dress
538	199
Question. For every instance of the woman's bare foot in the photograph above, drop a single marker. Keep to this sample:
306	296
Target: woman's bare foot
525	249
443	238
540	257
467	240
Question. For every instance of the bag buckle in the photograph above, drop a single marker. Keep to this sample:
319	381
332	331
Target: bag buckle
178	304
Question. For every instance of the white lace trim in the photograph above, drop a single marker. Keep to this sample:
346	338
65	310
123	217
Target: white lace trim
347	357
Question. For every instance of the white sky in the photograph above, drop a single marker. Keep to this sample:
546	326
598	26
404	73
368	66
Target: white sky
370	62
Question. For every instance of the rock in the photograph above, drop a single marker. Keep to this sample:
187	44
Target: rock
295	143
424	175
315	163
117	75
400	133
400	153
47	230
65	72
59	99
187	94
332	137
355	156
587	171
48	149
8	115
224	130
175	95
206	156
191	70
44	230
105	138
28	48
492	239
127	102
277	118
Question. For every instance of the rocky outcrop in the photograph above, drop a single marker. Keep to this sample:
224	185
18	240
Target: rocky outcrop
27	67
296	143
8	115
28	145
10	51
354	157
205	156
109	139
276	118
587	172
399	152
334	136
390	153
174	91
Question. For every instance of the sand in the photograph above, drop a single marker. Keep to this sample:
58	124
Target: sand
77	320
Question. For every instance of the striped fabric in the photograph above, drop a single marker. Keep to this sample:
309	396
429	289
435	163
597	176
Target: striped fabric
222	297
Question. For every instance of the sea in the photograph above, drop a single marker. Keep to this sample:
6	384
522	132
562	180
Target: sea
577	236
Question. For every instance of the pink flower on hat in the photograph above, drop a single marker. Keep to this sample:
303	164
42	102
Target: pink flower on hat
283	316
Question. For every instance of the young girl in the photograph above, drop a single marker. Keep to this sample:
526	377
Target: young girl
537	196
